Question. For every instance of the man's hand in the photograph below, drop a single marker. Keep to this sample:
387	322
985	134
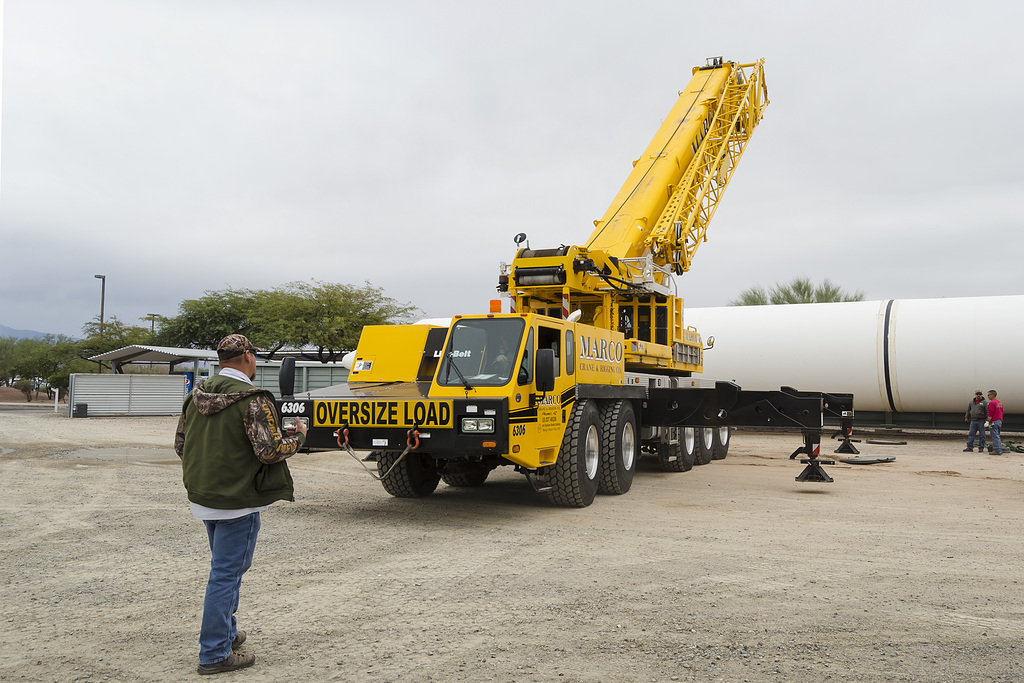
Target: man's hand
299	427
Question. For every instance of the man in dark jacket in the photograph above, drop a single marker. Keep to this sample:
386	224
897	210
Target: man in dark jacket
977	413
233	465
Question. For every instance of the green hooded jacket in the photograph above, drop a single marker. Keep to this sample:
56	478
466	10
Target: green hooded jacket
219	466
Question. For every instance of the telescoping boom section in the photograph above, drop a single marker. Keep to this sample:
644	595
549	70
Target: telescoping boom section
593	367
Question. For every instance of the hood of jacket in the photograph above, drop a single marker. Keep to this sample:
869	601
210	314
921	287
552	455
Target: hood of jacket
217	393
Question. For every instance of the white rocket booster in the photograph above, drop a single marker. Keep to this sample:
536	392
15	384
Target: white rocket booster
896	355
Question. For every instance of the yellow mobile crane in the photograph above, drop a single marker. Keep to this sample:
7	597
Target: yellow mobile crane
593	366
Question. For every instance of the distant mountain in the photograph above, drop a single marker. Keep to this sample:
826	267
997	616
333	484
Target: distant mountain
20	334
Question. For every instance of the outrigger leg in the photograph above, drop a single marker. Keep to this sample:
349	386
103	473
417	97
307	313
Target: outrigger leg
846	431
812	448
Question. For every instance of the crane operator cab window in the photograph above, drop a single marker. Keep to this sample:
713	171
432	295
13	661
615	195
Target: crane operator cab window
626	320
643	319
548	338
636	320
570	353
526	367
480	352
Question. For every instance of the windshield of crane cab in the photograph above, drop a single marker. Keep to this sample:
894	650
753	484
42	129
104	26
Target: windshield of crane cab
481	352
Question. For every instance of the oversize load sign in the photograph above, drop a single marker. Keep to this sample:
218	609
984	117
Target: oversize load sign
382	414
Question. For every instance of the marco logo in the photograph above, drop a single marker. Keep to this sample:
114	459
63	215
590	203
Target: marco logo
600	349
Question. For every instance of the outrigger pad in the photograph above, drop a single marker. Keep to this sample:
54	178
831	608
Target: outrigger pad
868	459
847	447
814	472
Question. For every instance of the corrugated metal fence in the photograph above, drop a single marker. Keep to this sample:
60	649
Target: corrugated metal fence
308	375
107	395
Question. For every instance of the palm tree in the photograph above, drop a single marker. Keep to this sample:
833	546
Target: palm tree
798	291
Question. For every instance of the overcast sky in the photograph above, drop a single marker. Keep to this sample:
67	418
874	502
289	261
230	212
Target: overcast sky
184	146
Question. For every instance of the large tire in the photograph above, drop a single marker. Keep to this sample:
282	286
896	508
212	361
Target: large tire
470	476
414	477
573	477
679	456
705	445
620	448
723	435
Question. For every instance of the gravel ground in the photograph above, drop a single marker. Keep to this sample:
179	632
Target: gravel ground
907	571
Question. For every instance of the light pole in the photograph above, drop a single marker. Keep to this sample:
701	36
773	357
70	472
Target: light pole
103	297
152	322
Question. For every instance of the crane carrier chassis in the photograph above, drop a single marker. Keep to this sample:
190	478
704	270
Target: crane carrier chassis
551	414
592	366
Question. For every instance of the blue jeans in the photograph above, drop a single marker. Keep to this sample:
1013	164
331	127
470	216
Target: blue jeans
232	542
977	427
994	428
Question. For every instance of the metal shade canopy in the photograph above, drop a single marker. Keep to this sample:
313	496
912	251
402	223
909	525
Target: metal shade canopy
154	354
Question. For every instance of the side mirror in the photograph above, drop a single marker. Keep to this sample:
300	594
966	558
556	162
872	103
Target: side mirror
286	378
545	371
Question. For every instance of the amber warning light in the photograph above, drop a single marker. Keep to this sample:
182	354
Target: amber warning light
495	306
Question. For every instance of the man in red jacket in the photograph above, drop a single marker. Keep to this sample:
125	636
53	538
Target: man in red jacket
995	421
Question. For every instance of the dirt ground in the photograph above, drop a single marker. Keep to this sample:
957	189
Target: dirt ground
907	571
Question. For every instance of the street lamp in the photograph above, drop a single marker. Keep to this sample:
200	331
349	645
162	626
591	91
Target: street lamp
103	297
152	322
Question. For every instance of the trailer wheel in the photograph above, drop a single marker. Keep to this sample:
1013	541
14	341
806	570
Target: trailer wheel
679	456
705	445
573	477
721	448
619	447
414	477
470	477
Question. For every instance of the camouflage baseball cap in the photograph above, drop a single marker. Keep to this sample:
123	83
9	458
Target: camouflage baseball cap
234	345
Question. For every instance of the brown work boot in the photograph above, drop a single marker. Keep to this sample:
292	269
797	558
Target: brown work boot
239	639
233	662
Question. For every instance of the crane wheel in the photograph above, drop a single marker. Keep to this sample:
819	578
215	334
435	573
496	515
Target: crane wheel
414	477
705	445
721	448
679	456
619	447
573	477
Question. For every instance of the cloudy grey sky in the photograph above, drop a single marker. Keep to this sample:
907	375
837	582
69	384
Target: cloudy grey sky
184	146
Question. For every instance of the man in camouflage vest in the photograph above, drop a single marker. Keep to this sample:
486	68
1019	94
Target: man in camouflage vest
977	413
233	465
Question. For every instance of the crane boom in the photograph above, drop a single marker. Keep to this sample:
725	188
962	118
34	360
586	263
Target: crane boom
622	278
682	174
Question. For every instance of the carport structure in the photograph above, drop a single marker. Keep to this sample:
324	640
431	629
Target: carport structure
120	393
155	354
